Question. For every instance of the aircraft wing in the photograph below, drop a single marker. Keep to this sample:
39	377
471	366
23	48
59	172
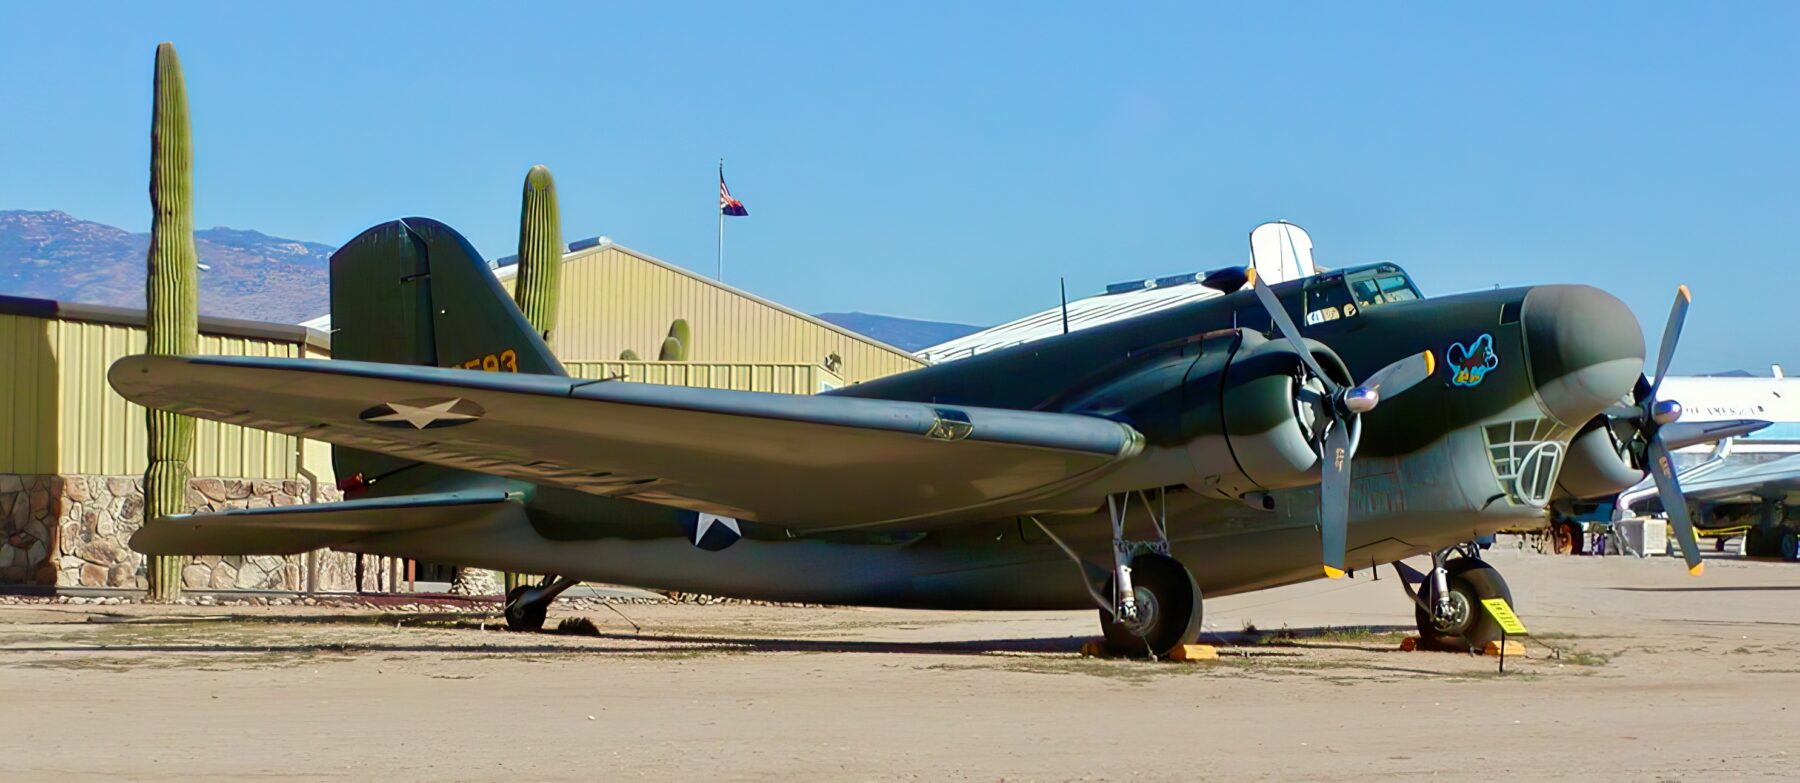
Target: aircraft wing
1772	478
806	462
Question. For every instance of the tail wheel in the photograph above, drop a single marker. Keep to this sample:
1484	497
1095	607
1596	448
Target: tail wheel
1467	625
1565	538
1168	601
522	615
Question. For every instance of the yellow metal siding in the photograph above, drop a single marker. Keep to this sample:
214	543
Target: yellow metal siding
613	300
27	393
764	377
58	415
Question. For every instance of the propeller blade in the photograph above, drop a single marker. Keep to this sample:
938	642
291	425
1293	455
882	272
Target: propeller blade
1622	411
1395	378
1683	434
1285	325
1671	336
1662	468
1334	498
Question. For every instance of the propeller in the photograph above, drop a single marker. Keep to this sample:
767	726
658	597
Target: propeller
1652	416
1341	405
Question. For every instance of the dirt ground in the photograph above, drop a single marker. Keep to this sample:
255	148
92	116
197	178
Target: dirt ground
1660	676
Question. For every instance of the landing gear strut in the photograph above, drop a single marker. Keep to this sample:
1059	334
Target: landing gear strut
528	605
1151	603
1447	605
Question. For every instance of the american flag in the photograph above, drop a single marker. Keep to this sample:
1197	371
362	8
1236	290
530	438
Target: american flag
727	204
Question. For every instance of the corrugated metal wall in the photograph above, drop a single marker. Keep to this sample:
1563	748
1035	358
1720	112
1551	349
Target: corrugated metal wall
766	377
58	415
614	299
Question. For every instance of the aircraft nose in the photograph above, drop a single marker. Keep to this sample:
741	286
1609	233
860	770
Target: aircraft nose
1584	348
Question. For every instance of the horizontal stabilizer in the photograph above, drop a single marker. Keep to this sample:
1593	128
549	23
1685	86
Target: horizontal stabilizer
288	530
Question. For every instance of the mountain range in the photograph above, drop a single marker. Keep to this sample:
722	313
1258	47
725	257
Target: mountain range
244	274
248	274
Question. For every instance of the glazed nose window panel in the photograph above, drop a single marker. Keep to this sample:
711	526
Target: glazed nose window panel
1526	456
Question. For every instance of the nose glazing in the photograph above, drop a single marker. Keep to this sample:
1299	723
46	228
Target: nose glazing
1584	347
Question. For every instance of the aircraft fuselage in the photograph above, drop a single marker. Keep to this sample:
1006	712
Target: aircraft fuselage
1473	449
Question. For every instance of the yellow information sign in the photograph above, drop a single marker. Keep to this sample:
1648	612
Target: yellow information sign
1503	614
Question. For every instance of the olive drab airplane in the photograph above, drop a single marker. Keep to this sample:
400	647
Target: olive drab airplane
1211	448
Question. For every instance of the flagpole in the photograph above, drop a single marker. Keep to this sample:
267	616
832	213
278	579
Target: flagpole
719	260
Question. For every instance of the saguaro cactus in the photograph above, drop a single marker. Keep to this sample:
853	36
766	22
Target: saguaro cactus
679	344
540	268
540	252
172	299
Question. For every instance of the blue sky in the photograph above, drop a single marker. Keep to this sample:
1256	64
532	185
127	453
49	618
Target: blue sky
950	162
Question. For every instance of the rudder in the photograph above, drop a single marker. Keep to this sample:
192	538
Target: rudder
414	291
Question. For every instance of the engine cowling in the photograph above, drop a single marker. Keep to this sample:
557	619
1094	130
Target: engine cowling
1225	413
1269	420
1597	463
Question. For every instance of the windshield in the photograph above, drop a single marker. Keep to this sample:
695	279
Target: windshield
1380	286
1343	295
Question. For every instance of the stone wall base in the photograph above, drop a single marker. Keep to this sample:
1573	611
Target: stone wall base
74	531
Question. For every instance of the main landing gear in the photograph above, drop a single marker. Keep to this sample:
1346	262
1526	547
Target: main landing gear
1151	604
528	605
1447	603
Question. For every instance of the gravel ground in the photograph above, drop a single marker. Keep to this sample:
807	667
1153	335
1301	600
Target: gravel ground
1637	672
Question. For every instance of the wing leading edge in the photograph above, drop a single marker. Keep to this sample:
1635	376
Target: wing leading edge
807	462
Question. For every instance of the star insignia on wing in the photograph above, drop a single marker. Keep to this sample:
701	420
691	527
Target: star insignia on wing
712	532
423	414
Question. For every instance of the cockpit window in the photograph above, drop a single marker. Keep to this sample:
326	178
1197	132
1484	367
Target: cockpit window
1380	286
1326	300
1343	295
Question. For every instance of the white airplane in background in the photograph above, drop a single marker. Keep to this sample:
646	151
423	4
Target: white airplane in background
1751	479
1773	399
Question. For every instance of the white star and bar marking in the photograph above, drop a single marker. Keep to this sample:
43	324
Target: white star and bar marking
706	522
421	417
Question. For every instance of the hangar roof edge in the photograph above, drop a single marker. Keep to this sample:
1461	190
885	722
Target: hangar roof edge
129	316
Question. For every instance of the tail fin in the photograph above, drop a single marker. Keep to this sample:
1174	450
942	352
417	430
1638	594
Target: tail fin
414	291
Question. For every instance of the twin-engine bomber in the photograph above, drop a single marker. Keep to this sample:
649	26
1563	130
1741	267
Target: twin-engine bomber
1212	448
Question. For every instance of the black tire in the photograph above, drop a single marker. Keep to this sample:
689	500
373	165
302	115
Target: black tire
1565	538
1790	545
1719	543
1761	542
1471	582
521	616
1174	598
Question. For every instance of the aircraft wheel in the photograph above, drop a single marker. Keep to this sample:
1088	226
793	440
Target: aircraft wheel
522	615
1760	541
1790	545
1169	606
1565	538
1468	625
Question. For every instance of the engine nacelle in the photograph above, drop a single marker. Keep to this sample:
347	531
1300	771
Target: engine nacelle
1252	424
1597	463
1225	413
